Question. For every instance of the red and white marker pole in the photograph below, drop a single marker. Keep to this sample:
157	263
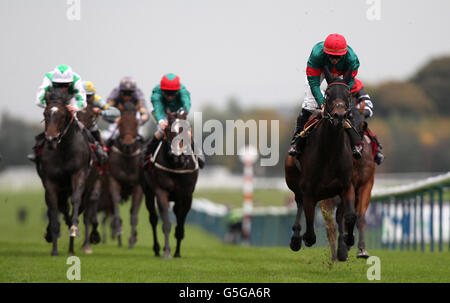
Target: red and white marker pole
248	156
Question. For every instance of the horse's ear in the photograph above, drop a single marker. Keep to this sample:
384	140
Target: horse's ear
348	76
327	73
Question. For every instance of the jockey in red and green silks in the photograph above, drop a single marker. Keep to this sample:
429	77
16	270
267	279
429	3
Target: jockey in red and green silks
340	59
170	95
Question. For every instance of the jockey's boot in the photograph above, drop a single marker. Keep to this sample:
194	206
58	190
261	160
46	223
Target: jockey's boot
298	142
355	139
40	139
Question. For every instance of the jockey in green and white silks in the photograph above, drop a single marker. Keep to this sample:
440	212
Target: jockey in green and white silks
63	77
340	59
170	95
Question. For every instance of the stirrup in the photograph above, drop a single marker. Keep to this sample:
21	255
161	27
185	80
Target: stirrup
32	157
379	158
357	152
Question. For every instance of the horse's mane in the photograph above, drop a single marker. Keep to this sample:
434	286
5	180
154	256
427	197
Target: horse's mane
57	96
129	107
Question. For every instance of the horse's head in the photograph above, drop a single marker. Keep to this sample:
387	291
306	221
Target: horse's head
128	127
56	116
337	98
178	128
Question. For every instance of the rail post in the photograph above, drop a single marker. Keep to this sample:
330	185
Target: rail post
248	156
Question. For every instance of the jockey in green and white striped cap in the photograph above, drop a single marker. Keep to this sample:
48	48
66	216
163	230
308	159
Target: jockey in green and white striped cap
63	77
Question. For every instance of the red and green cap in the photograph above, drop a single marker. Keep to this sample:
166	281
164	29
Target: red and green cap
335	44
170	82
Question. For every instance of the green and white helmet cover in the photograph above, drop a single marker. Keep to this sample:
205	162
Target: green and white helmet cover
62	74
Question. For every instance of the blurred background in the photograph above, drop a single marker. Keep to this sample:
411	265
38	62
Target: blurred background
240	60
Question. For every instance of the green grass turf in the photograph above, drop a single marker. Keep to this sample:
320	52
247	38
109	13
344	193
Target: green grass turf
25	256
234	198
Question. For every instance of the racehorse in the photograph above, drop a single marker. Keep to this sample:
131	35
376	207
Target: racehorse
124	172
324	168
87	118
363	180
172	176
66	169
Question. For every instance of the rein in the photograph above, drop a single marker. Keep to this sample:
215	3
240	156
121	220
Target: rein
171	170
117	150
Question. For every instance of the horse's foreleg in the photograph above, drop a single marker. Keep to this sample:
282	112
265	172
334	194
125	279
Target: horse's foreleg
348	196
309	237
163	205
114	188
342	251
327	207
181	211
153	217
296	239
78	186
136	204
51	199
364	195
95	238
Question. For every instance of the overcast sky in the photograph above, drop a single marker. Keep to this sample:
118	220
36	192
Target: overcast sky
255	50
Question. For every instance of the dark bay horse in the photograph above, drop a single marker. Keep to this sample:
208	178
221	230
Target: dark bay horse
324	168
363	179
66	168
87	118
124	170
172	176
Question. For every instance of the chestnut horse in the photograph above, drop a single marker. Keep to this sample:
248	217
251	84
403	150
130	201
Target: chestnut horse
124	172
324	168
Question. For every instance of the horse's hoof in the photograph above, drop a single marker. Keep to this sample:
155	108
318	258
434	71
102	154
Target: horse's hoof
131	242
54	253
167	256
177	255
349	240
296	243
74	232
342	255
48	237
87	250
362	253
95	238
309	240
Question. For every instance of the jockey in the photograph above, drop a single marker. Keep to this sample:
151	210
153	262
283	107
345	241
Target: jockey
340	58
365	105
99	107
171	95
62	77
127	91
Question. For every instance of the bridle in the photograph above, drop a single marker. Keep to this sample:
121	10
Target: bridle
327	113
66	128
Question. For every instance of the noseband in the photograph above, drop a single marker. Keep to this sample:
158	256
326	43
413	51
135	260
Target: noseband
327	114
66	129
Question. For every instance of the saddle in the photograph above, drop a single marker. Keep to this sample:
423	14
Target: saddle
312	123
